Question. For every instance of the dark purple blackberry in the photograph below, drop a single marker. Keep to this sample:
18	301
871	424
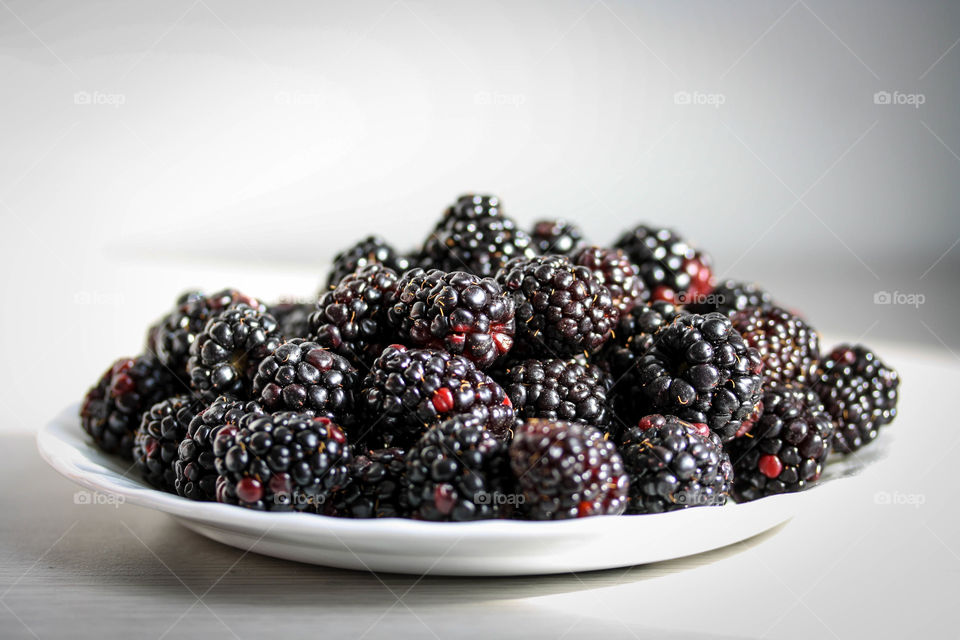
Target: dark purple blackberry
195	473
407	391
786	448
557	389
674	464
671	269
469	207
562	309
351	320
613	268
700	370
112	409
370	250
567	470
556	237
789	347
860	392
303	376
282	462
293	318
375	489
729	297
633	337
460	313
171	337
225	355
157	440
458	471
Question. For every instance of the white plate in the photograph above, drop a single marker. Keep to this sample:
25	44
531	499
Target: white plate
493	547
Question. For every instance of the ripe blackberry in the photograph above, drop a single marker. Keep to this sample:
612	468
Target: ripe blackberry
674	464
370	250
562	309
460	313
701	370
351	320
789	347
556	237
469	207
567	470
112	409
860	392
303	376
293	318
557	389
671	268
375	489
407	391
282	462
195	473
729	297
225	355
458	471
786	448
171	337
157	440
633	336
613	268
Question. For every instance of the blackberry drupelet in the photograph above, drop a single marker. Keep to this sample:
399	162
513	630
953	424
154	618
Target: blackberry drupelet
112	409
701	370
860	392
557	389
458	312
375	489
286	461
562	309
225	355
729	297
293	318
674	464
613	268
789	347
157	440
458	471
195	473
351	320
567	470
556	237
786	448
672	270
370	250
303	376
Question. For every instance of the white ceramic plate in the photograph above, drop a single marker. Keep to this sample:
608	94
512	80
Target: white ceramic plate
494	547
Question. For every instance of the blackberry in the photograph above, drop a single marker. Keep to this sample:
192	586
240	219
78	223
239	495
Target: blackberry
674	464
303	376
567	470
157	440
561	308
860	392
613	268
458	471
729	297
370	250
557	389
556	237
789	347
286	461
786	448
633	336
469	207
457	312
374	490
351	320
701	370
293	318
112	409
171	337
195	473
225	355
407	391
671	269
